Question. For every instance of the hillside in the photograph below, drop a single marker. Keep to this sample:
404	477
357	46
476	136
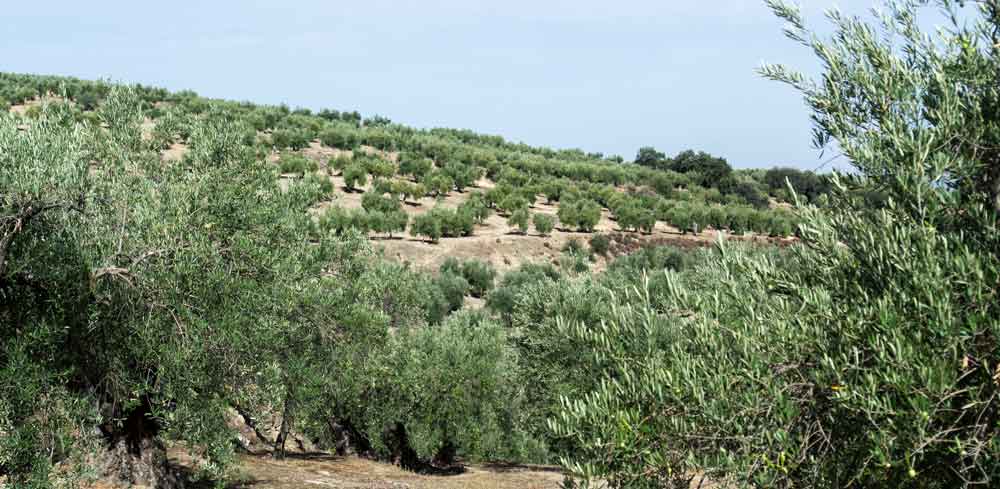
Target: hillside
443	169
205	293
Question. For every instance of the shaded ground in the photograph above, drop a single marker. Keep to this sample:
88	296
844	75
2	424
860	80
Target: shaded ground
322	470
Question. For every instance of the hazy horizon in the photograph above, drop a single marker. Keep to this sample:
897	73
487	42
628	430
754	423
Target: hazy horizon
562	74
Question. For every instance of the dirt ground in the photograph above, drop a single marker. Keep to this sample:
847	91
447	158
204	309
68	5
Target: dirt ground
493	241
328	471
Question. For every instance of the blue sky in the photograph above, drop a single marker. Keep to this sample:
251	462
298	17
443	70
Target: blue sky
598	75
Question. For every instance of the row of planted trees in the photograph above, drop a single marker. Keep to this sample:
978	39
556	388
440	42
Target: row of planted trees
458	155
146	300
513	197
865	358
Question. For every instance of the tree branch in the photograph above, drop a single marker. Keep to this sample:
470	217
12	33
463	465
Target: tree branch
13	225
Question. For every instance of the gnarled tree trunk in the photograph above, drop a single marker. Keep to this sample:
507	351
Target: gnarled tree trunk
134	454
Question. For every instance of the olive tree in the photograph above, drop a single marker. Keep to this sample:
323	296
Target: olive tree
866	358
136	295
543	223
521	218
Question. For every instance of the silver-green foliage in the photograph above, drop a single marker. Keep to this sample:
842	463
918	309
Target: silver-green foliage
868	357
133	289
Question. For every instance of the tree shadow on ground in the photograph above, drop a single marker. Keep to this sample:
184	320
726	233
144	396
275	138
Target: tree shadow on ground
504	467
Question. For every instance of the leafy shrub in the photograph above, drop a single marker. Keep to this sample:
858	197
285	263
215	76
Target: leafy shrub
521	219
378	138
380	168
294	163
320	187
476	207
503	299
427	224
355	176
462	175
167	262
652	259
339	137
480	275
340	220
453	390
339	162
573	245
387	221
867	374
294	139
544	223
415	165
582	214
438	183
374	201
454	287
512	203
600	244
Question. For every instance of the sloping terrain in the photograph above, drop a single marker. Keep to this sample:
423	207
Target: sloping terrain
494	241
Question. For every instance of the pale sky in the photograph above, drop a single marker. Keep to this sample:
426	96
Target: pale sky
607	76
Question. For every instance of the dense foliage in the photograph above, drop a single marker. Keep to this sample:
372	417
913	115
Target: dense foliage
144	300
867	356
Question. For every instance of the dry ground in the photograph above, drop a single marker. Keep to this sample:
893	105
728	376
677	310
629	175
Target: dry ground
494	241
327	471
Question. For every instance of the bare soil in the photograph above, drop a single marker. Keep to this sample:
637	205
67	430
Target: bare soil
21	109
494	241
321	470
175	152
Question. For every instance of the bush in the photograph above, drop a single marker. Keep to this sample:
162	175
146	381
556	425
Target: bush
341	220
428	225
462	175
438	184
294	139
512	203
480	275
293	163
341	137
521	219
355	176
193	274
453	390
322	187
543	223
387	221
454	287
600	244
380	168
375	201
476	206
503	299
444	222
458	223
339	162
451	265
652	259
582	214
415	165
